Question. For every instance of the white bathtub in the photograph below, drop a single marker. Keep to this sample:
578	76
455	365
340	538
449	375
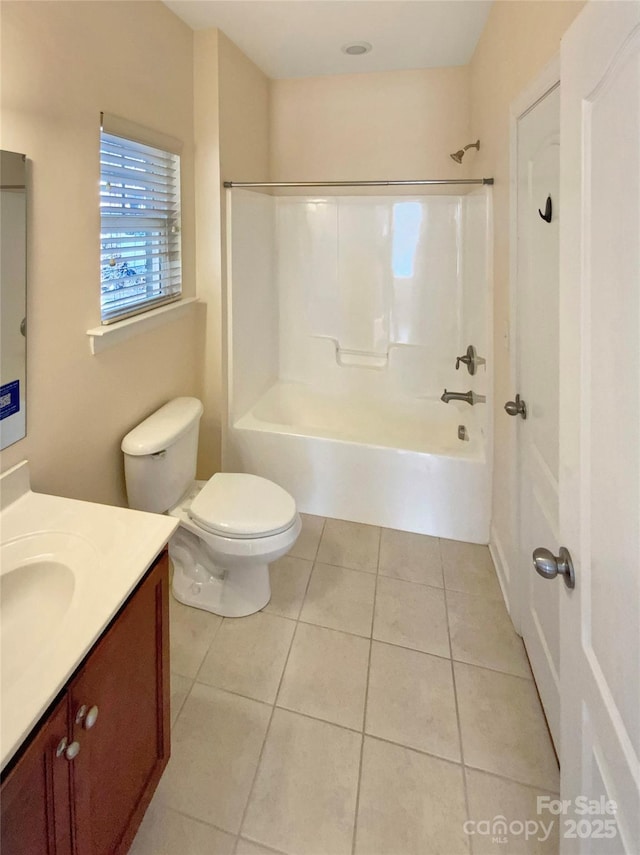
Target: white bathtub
396	464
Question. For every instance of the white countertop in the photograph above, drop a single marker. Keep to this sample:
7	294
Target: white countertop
121	545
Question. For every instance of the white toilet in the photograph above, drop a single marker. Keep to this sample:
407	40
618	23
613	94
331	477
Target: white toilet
231	526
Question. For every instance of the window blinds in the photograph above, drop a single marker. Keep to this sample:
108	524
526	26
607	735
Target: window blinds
140	263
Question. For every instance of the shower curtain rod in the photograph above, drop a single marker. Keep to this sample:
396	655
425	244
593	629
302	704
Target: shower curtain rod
418	181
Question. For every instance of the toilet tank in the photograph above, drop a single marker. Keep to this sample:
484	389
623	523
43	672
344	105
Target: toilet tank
160	455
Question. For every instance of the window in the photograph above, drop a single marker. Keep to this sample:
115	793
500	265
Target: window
140	265
407	219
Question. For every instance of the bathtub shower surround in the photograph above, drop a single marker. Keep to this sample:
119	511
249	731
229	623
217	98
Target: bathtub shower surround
346	316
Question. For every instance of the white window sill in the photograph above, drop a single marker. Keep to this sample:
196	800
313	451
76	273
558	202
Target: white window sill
102	337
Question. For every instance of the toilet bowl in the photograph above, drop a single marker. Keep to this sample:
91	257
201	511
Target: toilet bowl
221	560
231	526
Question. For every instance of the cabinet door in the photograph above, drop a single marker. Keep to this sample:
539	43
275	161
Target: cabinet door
124	752
36	814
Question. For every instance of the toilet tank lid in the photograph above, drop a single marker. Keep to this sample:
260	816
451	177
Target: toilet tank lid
162	428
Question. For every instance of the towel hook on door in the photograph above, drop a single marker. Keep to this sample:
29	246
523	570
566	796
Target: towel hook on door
547	211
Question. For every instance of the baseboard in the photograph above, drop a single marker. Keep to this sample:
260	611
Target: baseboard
503	571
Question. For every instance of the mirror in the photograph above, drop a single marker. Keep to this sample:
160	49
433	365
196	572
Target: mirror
13	297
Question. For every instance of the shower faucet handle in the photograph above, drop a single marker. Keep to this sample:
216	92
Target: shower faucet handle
470	359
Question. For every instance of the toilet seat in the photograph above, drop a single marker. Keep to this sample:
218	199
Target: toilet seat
237	505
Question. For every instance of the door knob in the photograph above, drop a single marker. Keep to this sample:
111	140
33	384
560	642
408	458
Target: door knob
517	407
549	566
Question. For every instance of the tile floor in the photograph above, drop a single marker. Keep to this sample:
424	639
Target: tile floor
379	701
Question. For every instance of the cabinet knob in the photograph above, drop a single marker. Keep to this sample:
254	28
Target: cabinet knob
91	718
61	747
72	751
87	716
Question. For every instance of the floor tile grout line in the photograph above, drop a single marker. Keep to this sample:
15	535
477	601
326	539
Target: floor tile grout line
484	666
324	525
215	635
385	739
235	693
443	587
455	697
350	569
267	731
261	845
418	650
528	677
192	683
475	595
366	702
277	692
198	820
460	763
446	611
200	681
534	787
529	680
305	558
411	581
306	589
528	785
193	679
321	720
377	570
313	567
343	567
371	572
213	638
362	732
509	780
419	751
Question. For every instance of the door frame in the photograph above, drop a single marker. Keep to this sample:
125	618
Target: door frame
513	582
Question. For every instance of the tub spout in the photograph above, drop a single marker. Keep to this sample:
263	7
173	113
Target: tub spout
470	397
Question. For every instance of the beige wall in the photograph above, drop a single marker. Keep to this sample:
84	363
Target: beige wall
231	108
208	249
244	115
231	111
62	63
517	42
397	124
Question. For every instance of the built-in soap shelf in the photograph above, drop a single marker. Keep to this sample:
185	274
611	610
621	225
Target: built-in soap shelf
361	359
349	358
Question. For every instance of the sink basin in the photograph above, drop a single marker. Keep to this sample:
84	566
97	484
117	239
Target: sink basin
39	577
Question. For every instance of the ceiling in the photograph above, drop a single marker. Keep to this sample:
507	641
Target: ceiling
303	38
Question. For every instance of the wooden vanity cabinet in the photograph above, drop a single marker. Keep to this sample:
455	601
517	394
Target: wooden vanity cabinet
115	712
34	800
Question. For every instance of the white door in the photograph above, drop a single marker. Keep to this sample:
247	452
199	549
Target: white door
600	422
538	180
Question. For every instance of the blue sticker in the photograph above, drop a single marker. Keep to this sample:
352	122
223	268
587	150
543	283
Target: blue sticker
9	399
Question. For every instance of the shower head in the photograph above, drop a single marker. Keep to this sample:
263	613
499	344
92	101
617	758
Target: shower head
458	155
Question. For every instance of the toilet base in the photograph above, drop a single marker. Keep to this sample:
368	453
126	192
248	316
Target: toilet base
235	592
